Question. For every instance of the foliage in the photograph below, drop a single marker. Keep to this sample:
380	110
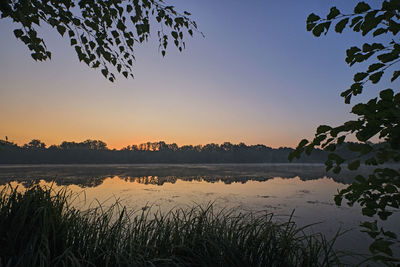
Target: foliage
103	33
41	228
378	193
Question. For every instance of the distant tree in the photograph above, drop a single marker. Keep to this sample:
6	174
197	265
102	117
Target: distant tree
227	146
162	146
68	145
35	144
378	193
211	147
94	144
102	33
186	148
173	147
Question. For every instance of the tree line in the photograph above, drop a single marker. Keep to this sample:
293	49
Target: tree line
96	151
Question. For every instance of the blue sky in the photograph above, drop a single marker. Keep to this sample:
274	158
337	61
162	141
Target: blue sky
257	77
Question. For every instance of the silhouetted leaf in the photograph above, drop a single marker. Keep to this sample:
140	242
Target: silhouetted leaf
318	30
18	33
323	129
341	25
312	18
375	78
396	74
61	29
361	7
375	67
360	76
379	32
387	94
334	12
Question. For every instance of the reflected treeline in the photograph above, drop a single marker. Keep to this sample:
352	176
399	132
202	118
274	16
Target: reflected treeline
158	174
95	151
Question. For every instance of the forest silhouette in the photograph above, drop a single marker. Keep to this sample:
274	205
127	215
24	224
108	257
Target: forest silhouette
97	152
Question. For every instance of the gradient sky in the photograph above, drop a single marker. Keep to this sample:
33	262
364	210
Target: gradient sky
257	77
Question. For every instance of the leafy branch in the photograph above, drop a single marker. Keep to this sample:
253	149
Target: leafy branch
365	20
378	193
102	33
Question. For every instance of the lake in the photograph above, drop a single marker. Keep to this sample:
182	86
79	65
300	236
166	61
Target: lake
302	189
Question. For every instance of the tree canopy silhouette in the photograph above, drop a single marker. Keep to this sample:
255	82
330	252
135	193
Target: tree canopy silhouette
96	151
103	33
379	192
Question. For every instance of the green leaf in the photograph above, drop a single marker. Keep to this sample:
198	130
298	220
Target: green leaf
92	45
355	20
338	200
384	58
355	89
310	26
396	74
360	76
341	25
318	30
330	147
312	18
390	188
374	78
174	34
18	33
375	67
308	150
302	143
340	140
104	72
115	34
361	7
61	29
386	94
379	32
334	12
323	129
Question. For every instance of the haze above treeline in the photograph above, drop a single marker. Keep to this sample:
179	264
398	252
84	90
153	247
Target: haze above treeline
96	152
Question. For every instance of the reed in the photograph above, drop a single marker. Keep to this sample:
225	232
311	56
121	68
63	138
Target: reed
40	227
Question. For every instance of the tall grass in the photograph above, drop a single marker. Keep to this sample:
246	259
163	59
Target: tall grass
40	228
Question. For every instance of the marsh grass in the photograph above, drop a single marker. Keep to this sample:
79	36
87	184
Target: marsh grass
40	227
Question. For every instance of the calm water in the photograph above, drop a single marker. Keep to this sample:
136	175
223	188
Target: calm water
277	188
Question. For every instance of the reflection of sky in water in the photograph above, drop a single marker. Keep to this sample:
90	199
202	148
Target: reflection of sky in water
312	200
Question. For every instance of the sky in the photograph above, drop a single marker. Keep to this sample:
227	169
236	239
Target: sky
256	77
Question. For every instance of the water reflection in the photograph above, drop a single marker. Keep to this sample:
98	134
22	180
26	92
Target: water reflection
277	188
159	174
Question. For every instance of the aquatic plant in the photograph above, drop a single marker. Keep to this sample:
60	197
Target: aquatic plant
40	227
